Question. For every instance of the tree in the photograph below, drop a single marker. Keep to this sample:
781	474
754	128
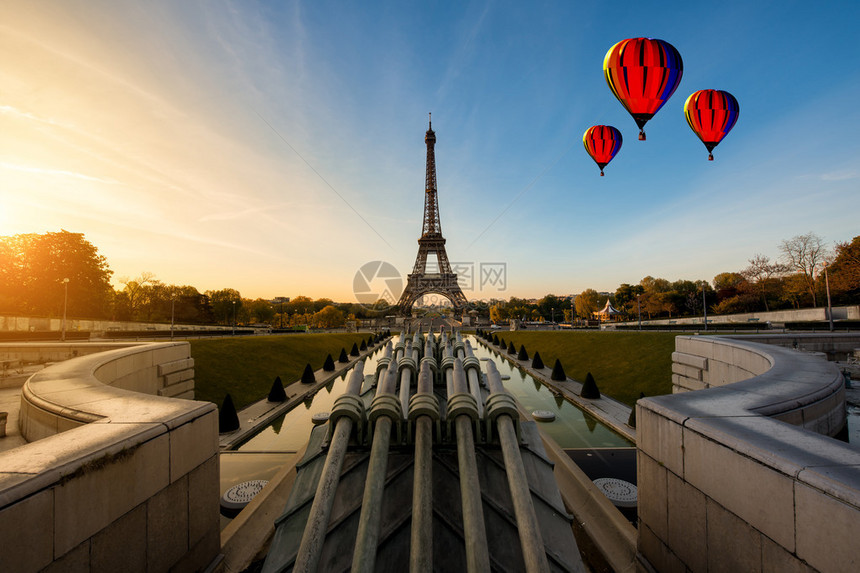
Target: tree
261	311
657	297
551	305
328	317
625	297
498	312
845	269
134	290
804	254
301	305
761	272
724	281
321	303
32	269
226	304
587	302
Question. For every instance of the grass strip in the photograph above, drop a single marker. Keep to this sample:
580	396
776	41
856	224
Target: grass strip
246	366
623	363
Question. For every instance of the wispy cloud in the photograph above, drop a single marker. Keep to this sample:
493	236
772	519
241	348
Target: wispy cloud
55	173
842	175
253	212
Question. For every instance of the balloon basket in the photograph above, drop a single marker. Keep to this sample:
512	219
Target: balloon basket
601	173
641	136
710	157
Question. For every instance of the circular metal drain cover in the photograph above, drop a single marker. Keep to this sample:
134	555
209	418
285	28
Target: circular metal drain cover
320	418
621	493
240	495
543	415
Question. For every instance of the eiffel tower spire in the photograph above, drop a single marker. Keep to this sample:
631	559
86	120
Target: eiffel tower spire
443	281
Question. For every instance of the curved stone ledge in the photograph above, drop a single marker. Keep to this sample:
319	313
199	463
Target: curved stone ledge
116	473
741	473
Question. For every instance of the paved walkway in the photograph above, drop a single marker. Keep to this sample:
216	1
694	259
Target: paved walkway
10	402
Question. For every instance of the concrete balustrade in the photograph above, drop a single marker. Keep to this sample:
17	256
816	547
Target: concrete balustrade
741	475
116	475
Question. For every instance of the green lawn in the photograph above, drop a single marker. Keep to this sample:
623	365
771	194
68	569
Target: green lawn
246	366
623	363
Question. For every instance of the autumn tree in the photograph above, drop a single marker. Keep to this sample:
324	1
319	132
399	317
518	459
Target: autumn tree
328	317
301	305
587	302
32	272
804	254
845	268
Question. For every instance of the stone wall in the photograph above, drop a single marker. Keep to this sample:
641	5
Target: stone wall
31	324
778	316
118	478
725	484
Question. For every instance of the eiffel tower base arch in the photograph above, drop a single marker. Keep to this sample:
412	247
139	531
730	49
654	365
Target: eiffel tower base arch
419	285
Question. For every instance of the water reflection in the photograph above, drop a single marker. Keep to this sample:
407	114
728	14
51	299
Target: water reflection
572	427
290	431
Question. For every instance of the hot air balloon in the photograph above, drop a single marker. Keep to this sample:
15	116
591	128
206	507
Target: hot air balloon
643	73
602	143
711	115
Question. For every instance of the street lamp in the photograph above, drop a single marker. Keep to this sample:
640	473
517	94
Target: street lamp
639	311
704	305
172	314
829	308
234	318
65	306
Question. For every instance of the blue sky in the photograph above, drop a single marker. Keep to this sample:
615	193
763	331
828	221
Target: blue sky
275	147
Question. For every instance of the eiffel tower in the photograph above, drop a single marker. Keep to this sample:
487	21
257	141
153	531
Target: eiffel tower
444	280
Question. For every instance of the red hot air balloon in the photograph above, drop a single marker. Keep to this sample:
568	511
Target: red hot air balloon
602	143
711	115
643	73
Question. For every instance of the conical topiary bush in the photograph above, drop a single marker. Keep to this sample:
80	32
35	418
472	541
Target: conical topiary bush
496	340
523	355
370	341
343	358
328	365
589	388
502	343
558	372
511	348
308	375
228	419
363	345
631	421
277	394
354	351
537	363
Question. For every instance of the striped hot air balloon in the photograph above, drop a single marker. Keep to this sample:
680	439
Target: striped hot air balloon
643	73
602	142
711	115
